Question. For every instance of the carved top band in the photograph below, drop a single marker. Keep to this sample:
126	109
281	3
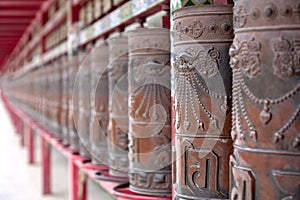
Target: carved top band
266	13
202	23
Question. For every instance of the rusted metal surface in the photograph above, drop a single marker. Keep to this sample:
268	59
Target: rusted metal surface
266	84
99	103
202	91
118	106
149	112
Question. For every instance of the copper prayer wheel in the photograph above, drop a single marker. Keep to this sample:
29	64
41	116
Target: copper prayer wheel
57	98
46	98
99	103
149	111
84	115
266	96
202	91
118	106
74	63
65	101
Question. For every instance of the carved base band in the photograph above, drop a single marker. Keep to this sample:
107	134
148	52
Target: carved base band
267	179
157	183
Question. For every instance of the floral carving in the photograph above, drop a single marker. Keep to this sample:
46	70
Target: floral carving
286	58
240	17
195	29
206	61
246	56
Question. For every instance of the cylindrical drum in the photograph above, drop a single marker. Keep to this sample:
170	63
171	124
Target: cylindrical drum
266	100
65	101
118	107
58	95
47	98
99	103
73	137
84	116
202	90
149	111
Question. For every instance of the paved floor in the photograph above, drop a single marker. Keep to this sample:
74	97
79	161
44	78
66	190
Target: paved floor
20	181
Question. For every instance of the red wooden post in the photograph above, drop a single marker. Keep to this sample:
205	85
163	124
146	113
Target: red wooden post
46	166
78	187
30	137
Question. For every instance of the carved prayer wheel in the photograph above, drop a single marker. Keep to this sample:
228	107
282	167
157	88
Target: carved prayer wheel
266	100
202	90
47	98
99	103
57	97
65	95
73	69
118	107
84	116
149	112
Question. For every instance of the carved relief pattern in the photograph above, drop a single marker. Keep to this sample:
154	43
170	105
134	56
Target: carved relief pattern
202	175
240	88
189	66
286	58
246	15
247	56
283	181
199	28
243	184
149	112
150	77
157	180
240	17
118	107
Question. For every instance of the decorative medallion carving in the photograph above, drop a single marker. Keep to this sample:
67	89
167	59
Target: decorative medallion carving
246	55
240	16
286	61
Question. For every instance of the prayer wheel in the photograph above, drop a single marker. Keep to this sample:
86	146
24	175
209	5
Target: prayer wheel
99	103
84	115
118	106
202	91
266	100
149	111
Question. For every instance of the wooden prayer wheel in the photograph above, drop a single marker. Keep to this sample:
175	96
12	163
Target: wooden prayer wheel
99	103
266	100
118	106
149	111
202	91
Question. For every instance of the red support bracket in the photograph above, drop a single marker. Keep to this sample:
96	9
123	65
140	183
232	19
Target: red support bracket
31	149
78	180
46	166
